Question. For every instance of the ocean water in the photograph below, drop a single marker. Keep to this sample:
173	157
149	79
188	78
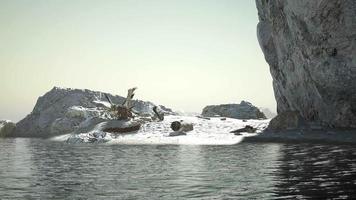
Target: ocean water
44	169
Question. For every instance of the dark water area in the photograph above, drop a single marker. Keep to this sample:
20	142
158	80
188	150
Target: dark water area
42	169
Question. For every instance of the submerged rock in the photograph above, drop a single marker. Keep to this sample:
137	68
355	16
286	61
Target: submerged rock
310	47
244	110
6	128
62	111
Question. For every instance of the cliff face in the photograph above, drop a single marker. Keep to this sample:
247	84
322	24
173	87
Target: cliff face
62	111
310	46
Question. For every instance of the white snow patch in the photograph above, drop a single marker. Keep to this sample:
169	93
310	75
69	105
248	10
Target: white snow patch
206	132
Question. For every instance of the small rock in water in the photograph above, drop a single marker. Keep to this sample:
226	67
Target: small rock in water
247	128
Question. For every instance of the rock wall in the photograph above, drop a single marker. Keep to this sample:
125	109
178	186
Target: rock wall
244	110
310	46
62	111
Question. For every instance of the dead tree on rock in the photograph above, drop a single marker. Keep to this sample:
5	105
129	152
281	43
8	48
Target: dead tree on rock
124	111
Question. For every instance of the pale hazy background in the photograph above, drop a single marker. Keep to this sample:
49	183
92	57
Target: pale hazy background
183	54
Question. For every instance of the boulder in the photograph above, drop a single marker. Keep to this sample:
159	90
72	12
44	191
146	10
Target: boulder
310	47
6	128
63	110
244	110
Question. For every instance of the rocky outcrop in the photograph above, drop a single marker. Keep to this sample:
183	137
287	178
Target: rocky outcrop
310	46
244	110
6	128
289	120
63	111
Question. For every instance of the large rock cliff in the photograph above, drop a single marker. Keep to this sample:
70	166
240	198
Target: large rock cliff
63	110
310	46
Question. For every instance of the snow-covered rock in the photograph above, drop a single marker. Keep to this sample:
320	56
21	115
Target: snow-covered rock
6	128
92	137
206	132
101	132
63	110
244	110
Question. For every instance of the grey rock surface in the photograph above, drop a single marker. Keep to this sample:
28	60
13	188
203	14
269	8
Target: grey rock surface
63	110
310	46
244	110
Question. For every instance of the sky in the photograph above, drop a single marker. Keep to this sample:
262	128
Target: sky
184	54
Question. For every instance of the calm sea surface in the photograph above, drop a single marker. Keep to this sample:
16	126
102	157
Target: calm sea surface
42	169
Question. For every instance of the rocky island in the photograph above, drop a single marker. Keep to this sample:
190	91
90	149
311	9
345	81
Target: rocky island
64	110
244	110
85	116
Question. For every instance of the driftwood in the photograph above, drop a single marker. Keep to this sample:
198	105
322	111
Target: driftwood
181	126
123	129
177	133
124	111
119	126
160	116
128	101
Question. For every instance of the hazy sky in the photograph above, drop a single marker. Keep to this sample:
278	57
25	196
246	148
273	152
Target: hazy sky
183	54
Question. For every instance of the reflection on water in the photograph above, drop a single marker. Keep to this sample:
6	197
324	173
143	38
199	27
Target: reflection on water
43	169
317	171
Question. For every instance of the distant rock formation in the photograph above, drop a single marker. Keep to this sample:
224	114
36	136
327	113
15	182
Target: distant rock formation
269	114
6	128
310	46
244	110
63	111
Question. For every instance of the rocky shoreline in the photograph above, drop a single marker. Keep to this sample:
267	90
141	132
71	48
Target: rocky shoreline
305	136
84	114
